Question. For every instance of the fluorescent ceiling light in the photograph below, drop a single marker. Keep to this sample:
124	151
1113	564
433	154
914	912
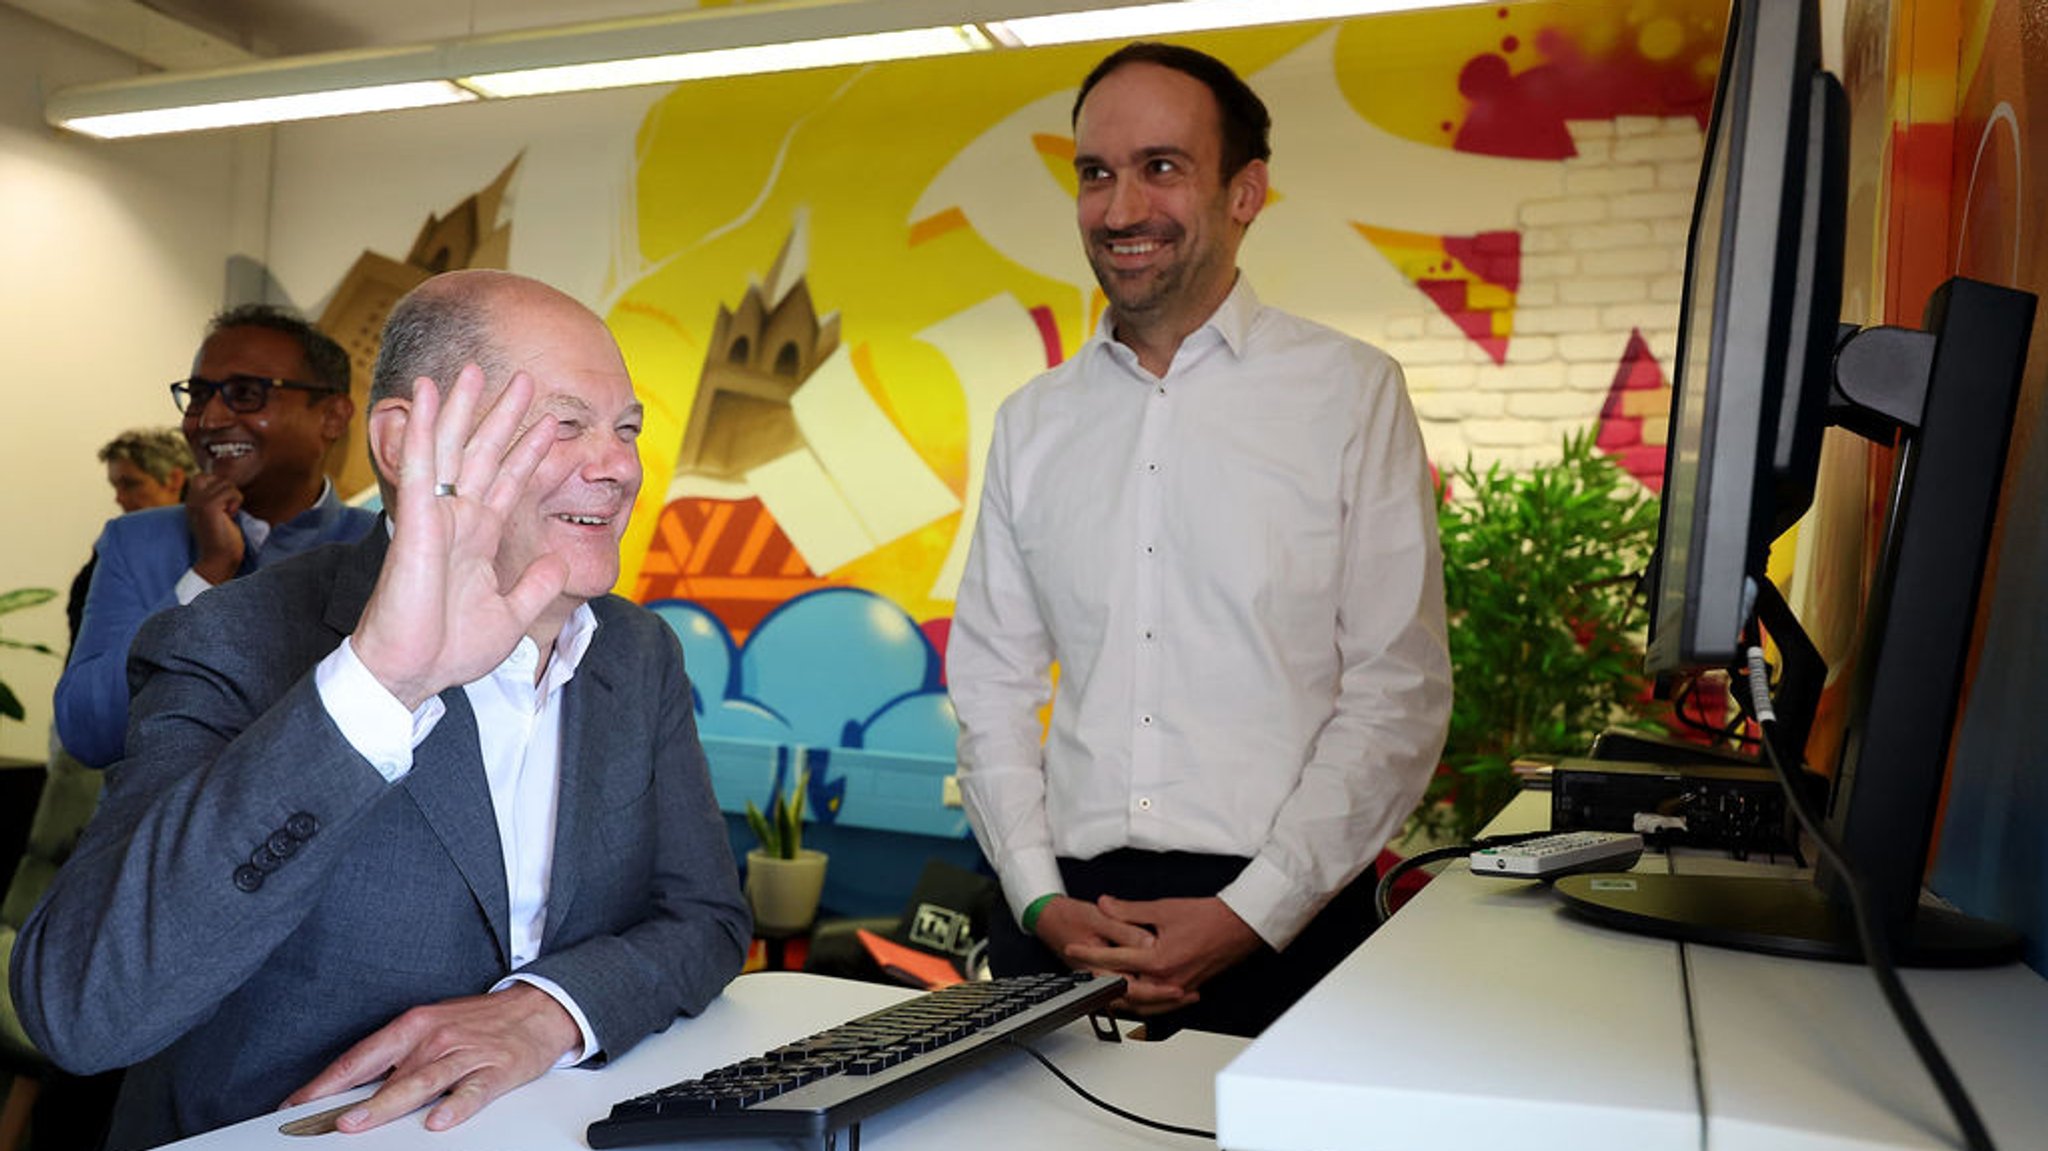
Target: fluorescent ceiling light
697	44
269	109
1173	17
785	57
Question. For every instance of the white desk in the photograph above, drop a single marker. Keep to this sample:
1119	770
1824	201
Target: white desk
1009	1102
1482	1016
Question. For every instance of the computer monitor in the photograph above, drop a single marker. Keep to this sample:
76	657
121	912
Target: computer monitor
1763	366
1757	332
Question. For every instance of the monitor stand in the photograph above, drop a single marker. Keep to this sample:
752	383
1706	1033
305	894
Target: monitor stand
1776	916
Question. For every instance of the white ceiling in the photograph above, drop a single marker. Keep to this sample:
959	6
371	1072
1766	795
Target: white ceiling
295	27
202	33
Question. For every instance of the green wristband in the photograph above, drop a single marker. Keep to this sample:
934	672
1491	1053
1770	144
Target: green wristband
1037	908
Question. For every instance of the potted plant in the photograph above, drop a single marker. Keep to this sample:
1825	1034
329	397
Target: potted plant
1540	574
10	704
784	878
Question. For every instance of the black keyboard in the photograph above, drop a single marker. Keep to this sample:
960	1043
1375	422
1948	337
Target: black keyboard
814	1087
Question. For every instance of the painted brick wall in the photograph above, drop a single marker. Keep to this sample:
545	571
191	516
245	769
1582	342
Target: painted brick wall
1599	265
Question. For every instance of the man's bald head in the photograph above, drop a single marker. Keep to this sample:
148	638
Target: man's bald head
446	323
474	316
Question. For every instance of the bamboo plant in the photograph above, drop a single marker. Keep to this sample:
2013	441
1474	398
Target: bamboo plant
1545	632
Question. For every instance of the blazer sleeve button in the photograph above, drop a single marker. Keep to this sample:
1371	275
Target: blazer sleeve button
248	879
265	860
302	825
281	844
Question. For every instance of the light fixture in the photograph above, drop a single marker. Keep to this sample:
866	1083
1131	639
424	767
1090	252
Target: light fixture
269	92
698	44
705	64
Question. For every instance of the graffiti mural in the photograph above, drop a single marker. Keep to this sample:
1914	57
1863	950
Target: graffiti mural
850	269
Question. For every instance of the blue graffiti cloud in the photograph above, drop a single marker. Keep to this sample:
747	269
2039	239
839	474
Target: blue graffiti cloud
838	667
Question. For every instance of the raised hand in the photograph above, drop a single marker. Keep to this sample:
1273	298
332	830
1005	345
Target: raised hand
440	614
464	1052
211	502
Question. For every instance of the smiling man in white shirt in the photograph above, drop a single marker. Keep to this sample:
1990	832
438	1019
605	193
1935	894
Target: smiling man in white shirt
1217	519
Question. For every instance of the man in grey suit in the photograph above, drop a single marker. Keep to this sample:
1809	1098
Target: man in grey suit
429	807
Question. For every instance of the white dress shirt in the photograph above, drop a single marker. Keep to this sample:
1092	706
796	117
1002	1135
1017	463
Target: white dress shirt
518	725
1236	568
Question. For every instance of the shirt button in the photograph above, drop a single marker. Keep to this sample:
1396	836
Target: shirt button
248	879
1151	467
1147	634
1144	805
1146	720
1149	549
1160	390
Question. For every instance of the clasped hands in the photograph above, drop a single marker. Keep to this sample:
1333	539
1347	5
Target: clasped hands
1165	949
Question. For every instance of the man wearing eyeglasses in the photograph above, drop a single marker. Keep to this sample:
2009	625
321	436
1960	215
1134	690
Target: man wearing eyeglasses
268	396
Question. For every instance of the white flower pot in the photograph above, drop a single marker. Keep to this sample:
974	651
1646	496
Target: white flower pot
784	892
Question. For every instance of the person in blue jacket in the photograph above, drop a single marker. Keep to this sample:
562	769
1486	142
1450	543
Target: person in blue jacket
267	398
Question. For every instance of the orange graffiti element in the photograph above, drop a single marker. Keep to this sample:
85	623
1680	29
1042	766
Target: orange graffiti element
1636	418
1058	154
938	224
1917	256
1473	279
727	556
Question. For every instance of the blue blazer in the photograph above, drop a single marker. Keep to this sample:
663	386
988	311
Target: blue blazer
252	897
140	557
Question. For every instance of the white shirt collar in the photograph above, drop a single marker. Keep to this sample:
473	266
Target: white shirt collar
570	646
1231	322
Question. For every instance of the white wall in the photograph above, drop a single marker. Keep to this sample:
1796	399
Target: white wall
369	182
112	257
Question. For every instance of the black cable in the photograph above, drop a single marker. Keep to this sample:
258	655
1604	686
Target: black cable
1113	1109
1682	698
1382	892
1877	952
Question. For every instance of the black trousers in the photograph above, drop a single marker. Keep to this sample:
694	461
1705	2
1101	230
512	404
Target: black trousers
1239	1001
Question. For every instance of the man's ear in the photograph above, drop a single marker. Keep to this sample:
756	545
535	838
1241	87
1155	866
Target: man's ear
386	428
1248	192
335	415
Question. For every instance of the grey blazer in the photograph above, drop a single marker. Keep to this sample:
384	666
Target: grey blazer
252	897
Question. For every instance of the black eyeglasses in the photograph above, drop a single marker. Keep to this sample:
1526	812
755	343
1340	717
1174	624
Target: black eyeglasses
240	393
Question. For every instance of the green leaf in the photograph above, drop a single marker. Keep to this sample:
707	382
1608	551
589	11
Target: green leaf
25	597
10	706
793	816
770	843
